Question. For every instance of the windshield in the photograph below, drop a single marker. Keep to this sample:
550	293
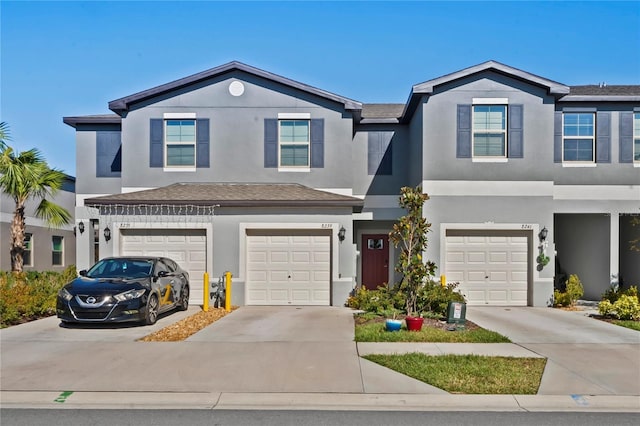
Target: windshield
121	268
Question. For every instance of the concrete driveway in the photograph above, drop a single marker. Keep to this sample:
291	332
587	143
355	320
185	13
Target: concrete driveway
585	355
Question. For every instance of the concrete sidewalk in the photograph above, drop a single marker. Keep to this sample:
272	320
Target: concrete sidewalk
293	358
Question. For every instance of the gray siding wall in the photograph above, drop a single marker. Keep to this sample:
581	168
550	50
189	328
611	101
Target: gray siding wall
87	182
439	115
416	147
364	183
237	135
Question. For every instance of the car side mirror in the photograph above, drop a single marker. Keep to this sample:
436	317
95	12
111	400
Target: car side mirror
162	274
83	273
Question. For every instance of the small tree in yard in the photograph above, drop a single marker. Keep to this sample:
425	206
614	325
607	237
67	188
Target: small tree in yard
22	177
410	234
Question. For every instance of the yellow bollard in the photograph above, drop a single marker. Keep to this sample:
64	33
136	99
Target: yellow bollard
205	304
443	280
227	291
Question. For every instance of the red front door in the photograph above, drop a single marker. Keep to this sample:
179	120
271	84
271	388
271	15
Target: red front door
375	260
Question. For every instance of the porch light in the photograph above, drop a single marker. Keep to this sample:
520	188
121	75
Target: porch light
543	234
107	234
81	227
341	233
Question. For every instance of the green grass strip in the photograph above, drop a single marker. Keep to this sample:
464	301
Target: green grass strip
375	332
469	374
634	325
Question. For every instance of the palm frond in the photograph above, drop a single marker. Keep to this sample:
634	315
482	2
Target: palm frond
53	214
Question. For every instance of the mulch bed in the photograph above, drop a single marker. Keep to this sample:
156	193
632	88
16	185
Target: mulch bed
187	327
428	322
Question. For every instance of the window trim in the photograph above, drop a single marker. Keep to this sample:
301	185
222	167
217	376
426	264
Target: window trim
24	244
179	117
497	102
288	117
636	137
580	163
61	251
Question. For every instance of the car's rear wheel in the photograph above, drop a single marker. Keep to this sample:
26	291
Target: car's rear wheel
152	310
184	298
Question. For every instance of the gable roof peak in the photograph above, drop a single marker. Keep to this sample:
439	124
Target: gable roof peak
122	105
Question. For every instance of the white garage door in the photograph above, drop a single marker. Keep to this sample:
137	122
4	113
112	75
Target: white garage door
288	268
491	267
185	246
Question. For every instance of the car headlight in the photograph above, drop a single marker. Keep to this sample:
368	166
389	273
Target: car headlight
128	295
64	294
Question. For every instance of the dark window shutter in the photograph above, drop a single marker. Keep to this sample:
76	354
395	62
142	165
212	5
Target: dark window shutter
380	153
516	131
317	142
108	154
202	148
463	140
557	137
270	142
626	137
603	137
156	156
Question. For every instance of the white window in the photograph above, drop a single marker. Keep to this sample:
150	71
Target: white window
490	131
57	245
293	146
578	140
180	143
27	255
636	137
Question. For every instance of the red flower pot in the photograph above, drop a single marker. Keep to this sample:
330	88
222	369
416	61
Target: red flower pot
414	324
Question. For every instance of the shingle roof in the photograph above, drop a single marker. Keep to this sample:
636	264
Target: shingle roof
232	195
92	119
605	90
382	110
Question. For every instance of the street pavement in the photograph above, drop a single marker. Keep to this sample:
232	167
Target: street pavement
305	358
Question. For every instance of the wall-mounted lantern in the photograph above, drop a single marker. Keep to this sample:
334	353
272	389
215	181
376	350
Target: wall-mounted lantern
81	227
341	233
107	234
543	234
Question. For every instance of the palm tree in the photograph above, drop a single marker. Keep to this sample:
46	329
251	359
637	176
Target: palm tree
24	176
4	134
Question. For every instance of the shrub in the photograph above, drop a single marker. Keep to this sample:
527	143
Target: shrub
625	308
434	298
30	295
574	292
614	292
383	301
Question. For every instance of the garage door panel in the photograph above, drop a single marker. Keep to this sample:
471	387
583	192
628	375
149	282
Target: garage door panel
186	246
298	269
491	269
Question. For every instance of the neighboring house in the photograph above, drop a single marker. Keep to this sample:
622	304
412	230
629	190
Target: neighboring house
46	248
294	189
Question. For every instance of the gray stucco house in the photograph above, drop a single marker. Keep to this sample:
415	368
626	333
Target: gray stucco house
46	248
294	189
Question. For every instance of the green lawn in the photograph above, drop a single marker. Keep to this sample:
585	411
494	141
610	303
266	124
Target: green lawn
375	332
634	325
469	374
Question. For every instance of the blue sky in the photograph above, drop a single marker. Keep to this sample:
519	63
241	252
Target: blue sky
72	58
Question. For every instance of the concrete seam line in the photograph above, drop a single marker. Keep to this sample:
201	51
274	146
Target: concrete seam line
515	398
216	402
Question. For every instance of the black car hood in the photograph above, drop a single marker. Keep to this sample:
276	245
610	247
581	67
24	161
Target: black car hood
85	285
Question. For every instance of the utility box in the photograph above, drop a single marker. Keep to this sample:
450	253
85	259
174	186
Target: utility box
456	313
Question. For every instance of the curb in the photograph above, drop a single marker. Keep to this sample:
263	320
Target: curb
318	401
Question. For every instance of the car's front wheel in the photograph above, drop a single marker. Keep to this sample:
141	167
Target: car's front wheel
184	299
152	310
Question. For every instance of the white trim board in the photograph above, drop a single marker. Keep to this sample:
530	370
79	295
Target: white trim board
488	188
597	192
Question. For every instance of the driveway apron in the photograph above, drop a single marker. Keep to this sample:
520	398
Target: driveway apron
585	355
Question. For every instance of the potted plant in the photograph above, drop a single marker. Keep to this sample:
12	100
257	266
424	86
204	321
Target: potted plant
393	324
410	234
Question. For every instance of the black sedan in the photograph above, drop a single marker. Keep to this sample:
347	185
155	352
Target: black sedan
119	289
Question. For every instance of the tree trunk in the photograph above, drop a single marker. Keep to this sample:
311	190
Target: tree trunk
17	238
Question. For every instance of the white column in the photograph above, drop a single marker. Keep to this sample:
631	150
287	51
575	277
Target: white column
614	249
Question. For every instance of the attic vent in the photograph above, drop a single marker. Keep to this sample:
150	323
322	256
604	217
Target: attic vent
236	88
